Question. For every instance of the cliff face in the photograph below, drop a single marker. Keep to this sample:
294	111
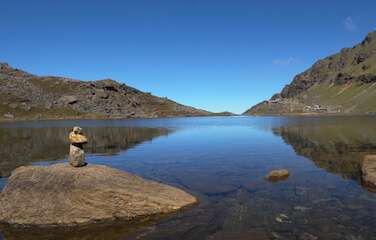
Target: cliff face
342	83
26	96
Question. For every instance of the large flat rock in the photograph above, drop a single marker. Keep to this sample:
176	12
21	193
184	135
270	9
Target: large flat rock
61	195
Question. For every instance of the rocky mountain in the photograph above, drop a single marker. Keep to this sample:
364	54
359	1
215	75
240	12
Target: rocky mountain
344	83
27	96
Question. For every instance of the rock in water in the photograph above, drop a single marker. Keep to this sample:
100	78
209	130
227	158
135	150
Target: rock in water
369	171
278	175
60	195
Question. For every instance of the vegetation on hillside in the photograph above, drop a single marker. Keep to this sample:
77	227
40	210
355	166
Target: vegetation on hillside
344	83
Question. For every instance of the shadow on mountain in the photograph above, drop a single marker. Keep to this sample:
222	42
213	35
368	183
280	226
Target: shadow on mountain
337	146
22	146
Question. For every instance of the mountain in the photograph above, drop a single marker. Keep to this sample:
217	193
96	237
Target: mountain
344	83
26	96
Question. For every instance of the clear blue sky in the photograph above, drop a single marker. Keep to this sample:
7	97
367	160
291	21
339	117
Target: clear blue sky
212	54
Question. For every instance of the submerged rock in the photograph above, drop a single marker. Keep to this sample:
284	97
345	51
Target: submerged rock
369	171
277	175
60	195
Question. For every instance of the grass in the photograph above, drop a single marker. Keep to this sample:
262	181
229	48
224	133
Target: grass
353	98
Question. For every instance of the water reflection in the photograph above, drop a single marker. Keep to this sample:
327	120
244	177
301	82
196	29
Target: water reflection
337	146
223	162
115	231
22	146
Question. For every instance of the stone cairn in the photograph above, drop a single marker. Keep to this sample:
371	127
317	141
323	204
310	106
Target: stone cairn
76	151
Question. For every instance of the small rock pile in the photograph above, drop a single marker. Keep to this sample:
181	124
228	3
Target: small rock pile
76	150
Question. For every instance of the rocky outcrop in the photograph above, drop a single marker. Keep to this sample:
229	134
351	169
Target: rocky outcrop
277	175
61	195
369	171
26	96
340	84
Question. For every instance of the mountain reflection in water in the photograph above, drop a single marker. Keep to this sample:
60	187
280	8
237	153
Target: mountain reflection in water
223	162
23	146
337	146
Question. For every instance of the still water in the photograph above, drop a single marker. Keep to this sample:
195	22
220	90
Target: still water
222	161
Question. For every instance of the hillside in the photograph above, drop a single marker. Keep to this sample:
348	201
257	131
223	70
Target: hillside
344	83
26	96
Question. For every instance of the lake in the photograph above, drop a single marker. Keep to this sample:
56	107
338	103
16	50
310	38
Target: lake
222	161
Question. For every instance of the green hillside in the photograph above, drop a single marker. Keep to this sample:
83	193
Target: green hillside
343	83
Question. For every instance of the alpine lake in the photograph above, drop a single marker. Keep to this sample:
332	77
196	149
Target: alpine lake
222	161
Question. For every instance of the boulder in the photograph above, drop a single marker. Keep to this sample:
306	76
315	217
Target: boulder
101	93
277	175
8	116
13	105
369	171
76	156
67	99
76	136
25	106
109	84
61	195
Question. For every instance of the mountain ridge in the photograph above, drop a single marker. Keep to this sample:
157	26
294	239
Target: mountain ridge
25	96
343	83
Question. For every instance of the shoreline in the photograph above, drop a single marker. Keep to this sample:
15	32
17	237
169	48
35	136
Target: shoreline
2	120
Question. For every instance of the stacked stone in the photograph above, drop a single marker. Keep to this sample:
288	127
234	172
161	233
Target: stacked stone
76	151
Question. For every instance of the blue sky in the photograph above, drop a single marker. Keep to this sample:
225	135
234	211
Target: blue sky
212	54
